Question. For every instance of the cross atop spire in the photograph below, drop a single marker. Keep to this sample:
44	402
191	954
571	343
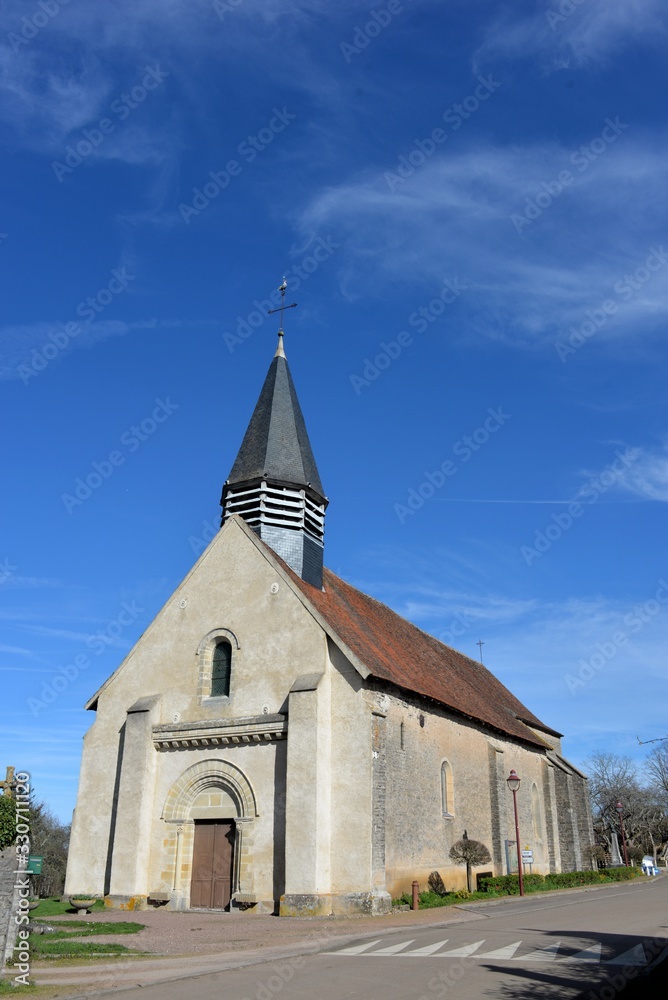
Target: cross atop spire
281	309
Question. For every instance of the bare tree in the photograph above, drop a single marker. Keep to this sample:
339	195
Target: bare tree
614	779
50	839
657	765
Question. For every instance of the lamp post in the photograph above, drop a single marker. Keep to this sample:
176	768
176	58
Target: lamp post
513	783
620	809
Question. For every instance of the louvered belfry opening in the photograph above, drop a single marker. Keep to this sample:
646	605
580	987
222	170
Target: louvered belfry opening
274	484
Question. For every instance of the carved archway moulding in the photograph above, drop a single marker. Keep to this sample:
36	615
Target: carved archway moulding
209	774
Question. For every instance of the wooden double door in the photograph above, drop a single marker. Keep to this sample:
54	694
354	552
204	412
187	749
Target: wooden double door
213	864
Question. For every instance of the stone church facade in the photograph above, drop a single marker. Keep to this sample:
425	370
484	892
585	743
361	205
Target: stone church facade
279	741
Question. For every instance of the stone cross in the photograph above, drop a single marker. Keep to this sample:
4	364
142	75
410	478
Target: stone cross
9	783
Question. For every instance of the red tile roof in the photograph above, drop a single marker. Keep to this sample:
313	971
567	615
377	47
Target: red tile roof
394	650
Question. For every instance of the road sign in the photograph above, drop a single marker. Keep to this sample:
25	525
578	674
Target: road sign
527	857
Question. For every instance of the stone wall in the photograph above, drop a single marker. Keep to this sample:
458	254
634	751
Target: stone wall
552	803
8	903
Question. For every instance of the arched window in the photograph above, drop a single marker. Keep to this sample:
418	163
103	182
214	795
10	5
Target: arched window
447	789
221	669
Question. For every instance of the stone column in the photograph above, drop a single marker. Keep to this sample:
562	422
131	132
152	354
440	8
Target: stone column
551	821
134	813
308	807
379	783
496	790
572	811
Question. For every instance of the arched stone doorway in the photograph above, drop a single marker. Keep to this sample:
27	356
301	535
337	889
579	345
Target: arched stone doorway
210	811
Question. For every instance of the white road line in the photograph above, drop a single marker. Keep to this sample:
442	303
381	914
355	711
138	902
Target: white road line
592	954
634	956
543	954
462	952
356	950
506	952
393	949
428	949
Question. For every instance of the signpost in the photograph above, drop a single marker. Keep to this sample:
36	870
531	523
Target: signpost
34	864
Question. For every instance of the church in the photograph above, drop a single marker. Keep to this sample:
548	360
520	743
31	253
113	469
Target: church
280	742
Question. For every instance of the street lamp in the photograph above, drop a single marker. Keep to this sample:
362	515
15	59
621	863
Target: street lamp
620	809
513	783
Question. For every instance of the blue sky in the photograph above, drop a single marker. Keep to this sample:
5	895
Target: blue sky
469	202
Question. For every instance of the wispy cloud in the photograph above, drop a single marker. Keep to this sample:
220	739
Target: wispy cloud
33	583
647	477
72	69
68	634
19	342
454	216
15	651
562	35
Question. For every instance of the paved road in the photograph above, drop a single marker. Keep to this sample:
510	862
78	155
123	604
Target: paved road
552	947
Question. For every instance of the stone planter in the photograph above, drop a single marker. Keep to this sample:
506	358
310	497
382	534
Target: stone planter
82	904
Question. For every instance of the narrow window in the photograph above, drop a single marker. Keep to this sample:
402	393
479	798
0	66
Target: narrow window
447	790
401	736
221	670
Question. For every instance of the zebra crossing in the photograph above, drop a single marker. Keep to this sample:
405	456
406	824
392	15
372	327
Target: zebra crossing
507	953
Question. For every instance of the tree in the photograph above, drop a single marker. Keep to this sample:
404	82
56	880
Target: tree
470	853
7	821
614	779
50	839
657	765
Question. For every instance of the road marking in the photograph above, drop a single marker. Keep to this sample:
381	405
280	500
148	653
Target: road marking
634	956
543	954
428	949
356	950
507	952
462	952
592	954
394	949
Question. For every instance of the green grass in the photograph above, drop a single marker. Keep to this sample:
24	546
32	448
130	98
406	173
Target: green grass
42	948
84	928
9	986
66	941
52	907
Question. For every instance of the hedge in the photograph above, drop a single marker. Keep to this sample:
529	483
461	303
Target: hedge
509	885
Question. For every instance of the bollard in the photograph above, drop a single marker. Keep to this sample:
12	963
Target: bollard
416	888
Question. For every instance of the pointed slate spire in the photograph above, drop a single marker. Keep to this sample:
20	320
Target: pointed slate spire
274	483
276	443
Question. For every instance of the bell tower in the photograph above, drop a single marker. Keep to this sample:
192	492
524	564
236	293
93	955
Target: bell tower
274	484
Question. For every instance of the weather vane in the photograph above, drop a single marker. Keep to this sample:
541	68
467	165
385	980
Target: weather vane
481	644
281	309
